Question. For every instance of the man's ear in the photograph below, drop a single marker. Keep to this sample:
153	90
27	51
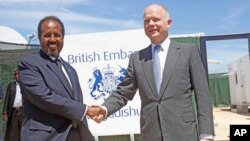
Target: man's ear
169	21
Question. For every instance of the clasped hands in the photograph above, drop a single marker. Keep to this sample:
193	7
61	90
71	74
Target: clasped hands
96	113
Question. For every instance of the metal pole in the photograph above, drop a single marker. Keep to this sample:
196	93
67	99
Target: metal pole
30	36
96	138
203	53
248	47
132	137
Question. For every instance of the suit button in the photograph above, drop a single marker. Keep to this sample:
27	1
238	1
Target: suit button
159	102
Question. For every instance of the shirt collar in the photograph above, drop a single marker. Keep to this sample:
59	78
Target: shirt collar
54	58
164	45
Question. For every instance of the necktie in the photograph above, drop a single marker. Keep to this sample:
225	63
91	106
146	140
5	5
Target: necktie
157	67
59	65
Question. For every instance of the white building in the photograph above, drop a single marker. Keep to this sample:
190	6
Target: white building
11	39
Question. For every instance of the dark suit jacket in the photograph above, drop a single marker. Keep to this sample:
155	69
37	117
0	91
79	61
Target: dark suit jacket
9	99
169	116
51	106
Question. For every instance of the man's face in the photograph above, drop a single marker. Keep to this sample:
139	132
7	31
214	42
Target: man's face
51	39
156	24
17	75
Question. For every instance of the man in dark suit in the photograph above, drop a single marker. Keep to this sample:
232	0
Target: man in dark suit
166	73
53	100
12	110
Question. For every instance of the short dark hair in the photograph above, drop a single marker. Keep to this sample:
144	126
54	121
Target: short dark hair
52	18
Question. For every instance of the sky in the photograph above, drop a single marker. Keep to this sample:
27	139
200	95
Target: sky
211	17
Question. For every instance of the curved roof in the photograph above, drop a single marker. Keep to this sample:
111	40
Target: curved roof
11	36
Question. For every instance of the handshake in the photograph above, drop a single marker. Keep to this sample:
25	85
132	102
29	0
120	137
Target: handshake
96	113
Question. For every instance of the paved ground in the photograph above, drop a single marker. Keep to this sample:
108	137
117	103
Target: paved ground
223	117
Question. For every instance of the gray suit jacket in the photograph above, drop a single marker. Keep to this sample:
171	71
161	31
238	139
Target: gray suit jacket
51	106
169	116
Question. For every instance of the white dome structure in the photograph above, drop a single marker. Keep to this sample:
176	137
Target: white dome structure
11	39
9	35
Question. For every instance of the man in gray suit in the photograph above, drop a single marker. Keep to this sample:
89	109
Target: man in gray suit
52	98
166	73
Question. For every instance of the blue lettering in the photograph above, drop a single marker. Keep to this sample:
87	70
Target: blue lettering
82	58
128	112
116	55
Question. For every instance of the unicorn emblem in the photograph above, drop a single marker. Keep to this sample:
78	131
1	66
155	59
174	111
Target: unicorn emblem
123	73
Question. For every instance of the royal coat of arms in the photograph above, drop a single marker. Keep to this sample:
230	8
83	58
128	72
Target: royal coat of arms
105	82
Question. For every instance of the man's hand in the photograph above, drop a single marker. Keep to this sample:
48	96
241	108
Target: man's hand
5	117
95	111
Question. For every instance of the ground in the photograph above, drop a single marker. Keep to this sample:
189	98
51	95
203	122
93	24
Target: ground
223	118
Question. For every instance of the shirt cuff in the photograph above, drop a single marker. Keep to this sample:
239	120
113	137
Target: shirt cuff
206	136
105	108
84	114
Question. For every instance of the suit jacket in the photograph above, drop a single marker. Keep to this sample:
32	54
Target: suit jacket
169	116
9	99
51	106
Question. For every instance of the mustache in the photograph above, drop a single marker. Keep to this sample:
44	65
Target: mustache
53	43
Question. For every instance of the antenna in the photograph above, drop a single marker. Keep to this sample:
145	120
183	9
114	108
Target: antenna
31	37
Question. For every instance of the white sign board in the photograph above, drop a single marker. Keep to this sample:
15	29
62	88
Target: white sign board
100	60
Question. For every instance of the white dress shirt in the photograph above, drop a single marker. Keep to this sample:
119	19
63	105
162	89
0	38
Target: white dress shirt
162	53
18	98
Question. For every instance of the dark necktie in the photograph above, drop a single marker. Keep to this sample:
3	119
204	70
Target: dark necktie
157	67
59	65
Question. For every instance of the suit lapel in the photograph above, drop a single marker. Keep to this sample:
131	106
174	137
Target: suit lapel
66	85
53	67
13	93
172	56
147	64
71	78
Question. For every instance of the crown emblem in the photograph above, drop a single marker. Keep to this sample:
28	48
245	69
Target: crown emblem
108	70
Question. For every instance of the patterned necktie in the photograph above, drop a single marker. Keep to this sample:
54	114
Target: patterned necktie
157	67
